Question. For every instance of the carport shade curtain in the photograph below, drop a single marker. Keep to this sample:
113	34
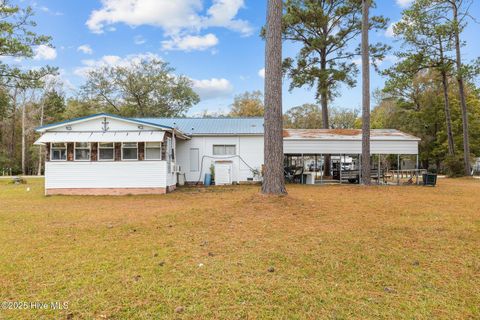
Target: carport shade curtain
124	136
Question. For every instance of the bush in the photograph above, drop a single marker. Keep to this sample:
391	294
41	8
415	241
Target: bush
454	166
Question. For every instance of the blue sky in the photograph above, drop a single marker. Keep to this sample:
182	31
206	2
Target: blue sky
213	42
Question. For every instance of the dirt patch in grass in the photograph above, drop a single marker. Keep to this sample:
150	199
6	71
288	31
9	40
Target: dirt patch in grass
345	252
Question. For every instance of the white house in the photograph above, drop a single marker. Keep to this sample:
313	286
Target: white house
107	154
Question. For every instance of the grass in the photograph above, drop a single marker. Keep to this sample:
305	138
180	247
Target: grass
337	252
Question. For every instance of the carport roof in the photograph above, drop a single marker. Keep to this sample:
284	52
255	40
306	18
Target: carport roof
346	134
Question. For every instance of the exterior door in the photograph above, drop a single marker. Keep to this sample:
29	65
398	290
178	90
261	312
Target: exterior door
223	173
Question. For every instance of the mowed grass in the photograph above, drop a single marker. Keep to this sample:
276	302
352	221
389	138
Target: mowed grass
336	252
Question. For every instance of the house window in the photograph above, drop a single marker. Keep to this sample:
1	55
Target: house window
58	152
194	160
129	151
82	151
224	149
106	151
153	151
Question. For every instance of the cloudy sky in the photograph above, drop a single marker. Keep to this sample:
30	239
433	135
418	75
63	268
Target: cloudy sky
213	42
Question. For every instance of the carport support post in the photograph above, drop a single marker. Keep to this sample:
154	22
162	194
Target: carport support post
340	168
378	170
322	169
398	169
359	168
416	169
303	167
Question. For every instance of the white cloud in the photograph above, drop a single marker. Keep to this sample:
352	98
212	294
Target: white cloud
43	52
191	43
390	58
179	19
61	80
112	61
389	32
222	13
404	3
85	48
46	10
139	40
172	16
261	73
212	88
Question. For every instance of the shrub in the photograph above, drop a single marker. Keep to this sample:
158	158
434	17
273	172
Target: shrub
454	166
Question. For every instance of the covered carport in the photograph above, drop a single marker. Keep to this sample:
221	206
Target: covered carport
394	155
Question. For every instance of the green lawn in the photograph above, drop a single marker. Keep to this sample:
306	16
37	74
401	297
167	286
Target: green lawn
336	252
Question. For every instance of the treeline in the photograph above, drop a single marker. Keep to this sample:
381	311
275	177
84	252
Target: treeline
429	91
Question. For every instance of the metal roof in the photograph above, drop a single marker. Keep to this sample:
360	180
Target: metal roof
143	136
97	115
346	134
210	126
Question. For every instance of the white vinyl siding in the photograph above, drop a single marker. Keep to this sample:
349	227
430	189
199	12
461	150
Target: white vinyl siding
106	151
250	148
82	151
129	151
224	150
153	151
127	174
58	152
194	159
348	147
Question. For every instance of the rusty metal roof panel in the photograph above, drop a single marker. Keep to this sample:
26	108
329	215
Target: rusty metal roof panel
346	134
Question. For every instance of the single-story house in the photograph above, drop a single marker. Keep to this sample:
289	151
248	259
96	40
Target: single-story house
107	154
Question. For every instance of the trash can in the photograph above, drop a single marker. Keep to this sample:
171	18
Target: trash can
208	179
429	179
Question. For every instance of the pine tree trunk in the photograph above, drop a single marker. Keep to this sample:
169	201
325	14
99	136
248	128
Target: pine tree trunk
273	180
448	117
40	149
461	90
14	125
366	179
23	138
325	118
